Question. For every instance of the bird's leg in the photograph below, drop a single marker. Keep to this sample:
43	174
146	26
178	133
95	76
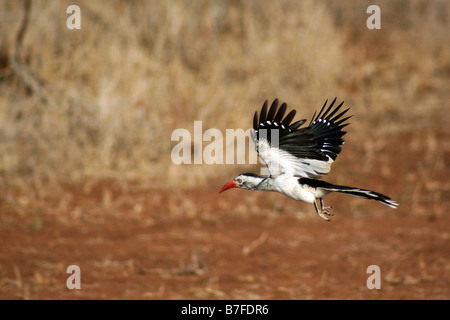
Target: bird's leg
322	213
326	209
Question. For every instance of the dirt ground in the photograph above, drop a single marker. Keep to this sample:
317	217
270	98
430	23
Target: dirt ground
134	243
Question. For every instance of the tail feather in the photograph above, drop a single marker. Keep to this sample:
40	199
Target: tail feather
363	193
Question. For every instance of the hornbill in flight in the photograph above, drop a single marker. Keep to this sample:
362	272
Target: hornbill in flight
297	157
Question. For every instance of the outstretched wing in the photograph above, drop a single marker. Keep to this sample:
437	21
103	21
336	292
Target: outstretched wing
305	152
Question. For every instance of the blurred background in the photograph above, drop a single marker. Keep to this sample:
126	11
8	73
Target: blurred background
86	117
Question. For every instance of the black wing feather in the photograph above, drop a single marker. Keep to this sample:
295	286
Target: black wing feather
262	116
321	140
280	113
287	120
273	110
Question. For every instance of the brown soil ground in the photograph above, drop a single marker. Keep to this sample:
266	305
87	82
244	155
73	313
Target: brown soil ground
152	244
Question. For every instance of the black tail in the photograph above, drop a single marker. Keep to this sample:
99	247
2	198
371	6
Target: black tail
363	193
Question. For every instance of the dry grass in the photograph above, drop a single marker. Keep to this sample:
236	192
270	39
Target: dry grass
136	71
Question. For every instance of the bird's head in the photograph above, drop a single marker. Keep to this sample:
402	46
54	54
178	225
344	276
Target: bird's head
247	181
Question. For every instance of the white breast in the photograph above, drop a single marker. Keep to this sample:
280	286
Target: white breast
289	186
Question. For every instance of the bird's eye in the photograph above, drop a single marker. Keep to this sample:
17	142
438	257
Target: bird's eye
239	180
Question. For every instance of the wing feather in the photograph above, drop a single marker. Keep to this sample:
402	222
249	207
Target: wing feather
262	115
305	152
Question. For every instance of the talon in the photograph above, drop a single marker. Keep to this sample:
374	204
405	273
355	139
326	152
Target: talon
324	212
323	215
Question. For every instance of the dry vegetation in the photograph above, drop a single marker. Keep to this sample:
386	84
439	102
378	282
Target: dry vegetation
105	99
117	88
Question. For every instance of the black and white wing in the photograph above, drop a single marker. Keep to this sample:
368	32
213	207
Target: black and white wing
304	152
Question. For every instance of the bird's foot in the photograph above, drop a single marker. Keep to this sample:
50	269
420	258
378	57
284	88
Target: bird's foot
325	213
